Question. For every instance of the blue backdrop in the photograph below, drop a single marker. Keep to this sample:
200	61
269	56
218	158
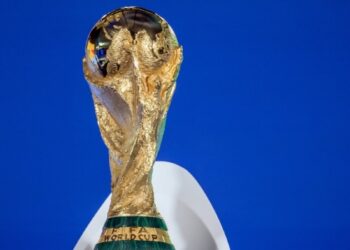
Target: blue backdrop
261	118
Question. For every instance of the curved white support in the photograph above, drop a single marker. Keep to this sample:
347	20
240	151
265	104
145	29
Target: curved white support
191	219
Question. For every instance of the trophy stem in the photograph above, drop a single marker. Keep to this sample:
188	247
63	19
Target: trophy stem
133	220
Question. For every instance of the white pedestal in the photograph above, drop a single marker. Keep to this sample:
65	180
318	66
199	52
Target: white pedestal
191	219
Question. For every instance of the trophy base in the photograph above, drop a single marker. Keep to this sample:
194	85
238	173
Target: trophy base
191	220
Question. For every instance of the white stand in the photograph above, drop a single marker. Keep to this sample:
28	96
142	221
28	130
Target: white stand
191	219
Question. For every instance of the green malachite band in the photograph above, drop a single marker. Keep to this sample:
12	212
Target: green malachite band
135	221
134	245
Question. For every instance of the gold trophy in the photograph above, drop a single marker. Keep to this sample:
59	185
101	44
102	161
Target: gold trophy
131	64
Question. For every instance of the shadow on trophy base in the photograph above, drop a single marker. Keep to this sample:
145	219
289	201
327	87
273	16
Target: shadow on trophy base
191	220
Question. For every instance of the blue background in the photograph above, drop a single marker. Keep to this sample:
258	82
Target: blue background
260	117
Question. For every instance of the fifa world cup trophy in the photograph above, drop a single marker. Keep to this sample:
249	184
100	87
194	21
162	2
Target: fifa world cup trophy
131	64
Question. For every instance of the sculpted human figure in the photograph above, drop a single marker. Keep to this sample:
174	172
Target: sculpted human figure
131	64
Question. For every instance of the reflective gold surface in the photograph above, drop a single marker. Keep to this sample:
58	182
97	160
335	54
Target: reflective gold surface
132	84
